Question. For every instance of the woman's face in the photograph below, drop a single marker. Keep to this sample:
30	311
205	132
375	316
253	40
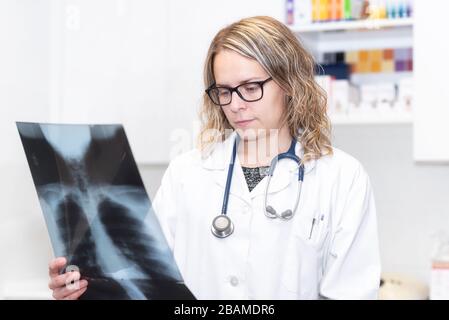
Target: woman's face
249	119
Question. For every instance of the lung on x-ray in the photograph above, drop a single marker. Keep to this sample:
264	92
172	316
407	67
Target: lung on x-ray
98	213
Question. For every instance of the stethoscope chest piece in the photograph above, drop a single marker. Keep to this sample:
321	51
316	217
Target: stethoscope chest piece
222	226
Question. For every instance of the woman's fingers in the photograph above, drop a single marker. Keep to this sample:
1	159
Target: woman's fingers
76	294
67	285
68	278
71	291
56	265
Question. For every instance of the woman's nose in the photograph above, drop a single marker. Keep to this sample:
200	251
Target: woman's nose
237	103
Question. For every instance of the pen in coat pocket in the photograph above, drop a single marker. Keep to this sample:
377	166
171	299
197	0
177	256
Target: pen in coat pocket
311	228
314	221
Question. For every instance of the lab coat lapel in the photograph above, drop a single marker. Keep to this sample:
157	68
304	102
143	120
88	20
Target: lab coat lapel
283	176
218	165
286	173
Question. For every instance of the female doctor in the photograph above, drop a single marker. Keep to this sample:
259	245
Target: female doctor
265	207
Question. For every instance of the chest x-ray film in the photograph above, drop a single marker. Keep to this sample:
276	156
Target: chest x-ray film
98	213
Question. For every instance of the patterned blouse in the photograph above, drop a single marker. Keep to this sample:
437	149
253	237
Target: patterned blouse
254	175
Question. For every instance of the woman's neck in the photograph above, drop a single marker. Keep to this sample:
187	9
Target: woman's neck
260	151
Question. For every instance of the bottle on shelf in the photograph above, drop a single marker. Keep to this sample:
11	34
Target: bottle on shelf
300	12
290	12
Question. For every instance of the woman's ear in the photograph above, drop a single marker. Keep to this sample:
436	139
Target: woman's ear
288	98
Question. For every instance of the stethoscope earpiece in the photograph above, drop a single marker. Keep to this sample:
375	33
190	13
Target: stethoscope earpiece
287	214
270	212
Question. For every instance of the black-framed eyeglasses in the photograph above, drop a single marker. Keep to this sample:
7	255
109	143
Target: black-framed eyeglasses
249	92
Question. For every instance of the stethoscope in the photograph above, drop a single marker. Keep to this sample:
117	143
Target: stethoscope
222	225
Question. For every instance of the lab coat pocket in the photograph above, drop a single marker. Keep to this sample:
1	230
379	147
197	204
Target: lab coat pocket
313	232
300	271
302	267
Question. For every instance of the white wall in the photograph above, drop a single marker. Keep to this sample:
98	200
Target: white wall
412	199
139	62
136	62
24	95
431	132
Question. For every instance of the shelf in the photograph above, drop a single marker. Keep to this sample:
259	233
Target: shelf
356	119
352	40
369	34
369	24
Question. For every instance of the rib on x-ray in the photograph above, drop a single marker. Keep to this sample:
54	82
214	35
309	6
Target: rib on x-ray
98	213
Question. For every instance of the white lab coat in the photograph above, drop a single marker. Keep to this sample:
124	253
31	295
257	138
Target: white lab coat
269	258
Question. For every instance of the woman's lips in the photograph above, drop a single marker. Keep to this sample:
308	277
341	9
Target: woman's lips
243	123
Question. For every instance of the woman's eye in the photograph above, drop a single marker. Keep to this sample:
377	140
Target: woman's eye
223	93
250	88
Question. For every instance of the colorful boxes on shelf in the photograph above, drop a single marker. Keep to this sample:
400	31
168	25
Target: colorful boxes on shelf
371	61
311	11
367	80
388	60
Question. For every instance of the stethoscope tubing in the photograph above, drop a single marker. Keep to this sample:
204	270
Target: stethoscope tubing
269	211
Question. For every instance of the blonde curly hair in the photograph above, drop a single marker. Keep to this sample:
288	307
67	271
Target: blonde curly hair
279	52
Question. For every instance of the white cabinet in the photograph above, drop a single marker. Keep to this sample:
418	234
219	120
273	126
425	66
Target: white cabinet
139	63
431	124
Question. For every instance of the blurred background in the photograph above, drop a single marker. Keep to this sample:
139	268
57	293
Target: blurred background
383	63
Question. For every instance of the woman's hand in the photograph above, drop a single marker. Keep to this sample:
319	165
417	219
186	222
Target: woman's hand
67	286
